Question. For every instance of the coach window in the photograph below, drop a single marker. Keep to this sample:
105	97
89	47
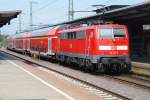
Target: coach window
74	35
91	34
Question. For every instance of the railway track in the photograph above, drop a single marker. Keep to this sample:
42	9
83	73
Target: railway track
116	96
141	71
146	68
140	76
138	65
131	79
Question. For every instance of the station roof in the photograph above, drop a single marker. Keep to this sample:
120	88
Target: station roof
139	13
134	13
6	16
108	8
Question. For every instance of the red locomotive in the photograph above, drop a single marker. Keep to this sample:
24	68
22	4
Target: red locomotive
102	48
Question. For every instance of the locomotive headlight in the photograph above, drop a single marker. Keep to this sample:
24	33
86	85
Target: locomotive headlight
122	47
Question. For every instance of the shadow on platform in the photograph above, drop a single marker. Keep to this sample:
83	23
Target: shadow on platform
6	57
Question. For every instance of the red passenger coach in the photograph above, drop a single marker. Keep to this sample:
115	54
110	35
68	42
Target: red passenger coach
10	42
37	42
19	42
99	47
43	42
26	43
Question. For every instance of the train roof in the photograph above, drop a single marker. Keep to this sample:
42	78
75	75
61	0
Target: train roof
92	27
45	32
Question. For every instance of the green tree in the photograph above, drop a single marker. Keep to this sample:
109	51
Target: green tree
2	40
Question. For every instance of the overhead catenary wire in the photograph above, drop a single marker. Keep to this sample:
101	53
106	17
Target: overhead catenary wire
58	16
45	6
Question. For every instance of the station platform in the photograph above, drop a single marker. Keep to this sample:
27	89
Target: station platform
15	84
20	83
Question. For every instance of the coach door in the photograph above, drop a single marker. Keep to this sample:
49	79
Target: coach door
24	41
49	45
28	44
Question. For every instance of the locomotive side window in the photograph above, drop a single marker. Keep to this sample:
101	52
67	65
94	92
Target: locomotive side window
81	35
105	33
70	35
63	36
119	32
73	35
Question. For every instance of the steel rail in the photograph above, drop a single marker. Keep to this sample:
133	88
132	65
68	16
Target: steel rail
128	81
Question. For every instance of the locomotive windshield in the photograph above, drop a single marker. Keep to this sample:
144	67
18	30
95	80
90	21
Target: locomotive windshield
112	32
105	33
119	32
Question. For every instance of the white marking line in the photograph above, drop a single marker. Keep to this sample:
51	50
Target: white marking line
51	86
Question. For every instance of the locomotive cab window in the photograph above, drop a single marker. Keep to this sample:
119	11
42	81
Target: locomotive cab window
112	33
105	33
119	32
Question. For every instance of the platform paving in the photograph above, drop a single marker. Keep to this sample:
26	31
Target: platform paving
22	81
16	84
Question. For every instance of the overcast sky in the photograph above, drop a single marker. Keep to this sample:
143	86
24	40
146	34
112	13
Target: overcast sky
51	11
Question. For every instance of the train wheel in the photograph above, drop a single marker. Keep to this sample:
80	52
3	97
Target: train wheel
93	69
127	68
114	68
101	68
68	62
81	64
88	64
120	68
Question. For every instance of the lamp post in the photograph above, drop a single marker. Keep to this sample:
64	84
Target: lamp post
31	13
